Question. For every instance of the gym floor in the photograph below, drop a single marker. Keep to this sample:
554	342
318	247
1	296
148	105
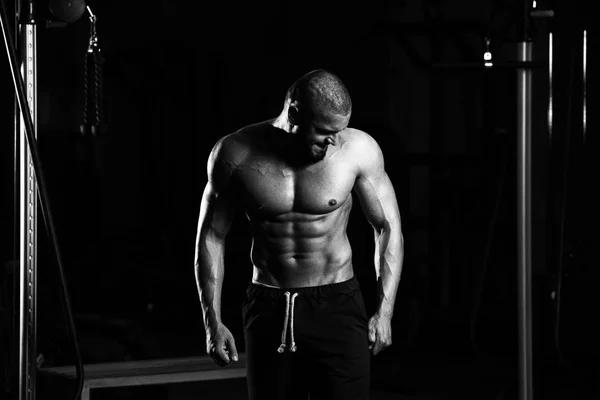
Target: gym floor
430	377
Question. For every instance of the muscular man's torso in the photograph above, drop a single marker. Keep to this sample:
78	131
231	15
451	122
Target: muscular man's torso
298	214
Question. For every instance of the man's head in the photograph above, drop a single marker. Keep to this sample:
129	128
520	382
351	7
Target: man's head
318	106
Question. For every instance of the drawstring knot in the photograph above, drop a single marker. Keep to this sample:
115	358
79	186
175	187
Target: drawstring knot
289	320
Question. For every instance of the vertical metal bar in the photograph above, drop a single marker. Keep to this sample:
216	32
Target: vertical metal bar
28	223
32	169
85	393
550	85
524	222
584	87
16	301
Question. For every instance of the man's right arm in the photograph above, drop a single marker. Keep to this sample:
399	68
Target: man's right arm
216	215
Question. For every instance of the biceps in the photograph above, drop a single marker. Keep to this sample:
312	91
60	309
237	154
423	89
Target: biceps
216	212
378	201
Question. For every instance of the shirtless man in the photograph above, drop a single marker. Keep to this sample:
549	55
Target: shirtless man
305	323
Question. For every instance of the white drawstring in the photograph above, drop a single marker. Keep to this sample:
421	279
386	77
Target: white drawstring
289	318
293	343
281	348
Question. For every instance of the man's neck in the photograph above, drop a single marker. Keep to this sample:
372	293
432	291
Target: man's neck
282	122
286	141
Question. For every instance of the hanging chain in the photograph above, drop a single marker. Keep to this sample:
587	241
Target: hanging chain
85	95
98	83
92	121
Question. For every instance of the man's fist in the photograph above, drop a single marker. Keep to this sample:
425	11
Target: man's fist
220	346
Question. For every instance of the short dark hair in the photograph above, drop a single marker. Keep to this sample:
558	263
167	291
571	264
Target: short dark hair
323	90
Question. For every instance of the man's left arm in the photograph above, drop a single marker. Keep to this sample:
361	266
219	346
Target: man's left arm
378	200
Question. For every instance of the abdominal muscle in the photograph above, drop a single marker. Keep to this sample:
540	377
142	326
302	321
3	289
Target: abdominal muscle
301	250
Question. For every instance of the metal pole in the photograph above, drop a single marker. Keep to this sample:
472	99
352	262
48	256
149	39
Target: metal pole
584	88
28	218
31	168
524	222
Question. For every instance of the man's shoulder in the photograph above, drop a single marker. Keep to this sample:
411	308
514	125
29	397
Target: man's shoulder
360	143
234	147
363	151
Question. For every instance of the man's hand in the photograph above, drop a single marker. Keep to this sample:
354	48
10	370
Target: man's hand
380	333
220	345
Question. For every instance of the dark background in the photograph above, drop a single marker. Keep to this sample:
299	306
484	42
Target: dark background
177	77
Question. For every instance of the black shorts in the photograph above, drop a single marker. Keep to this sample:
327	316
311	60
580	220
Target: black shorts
321	347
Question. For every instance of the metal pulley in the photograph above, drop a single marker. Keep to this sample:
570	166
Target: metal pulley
67	10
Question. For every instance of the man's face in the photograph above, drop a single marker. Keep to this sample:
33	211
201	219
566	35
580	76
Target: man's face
318	129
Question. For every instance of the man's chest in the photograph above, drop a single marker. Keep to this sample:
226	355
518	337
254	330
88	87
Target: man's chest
273	188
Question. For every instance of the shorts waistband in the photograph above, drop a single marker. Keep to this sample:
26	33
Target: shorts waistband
348	286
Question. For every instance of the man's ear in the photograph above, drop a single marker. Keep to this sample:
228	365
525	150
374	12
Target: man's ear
293	113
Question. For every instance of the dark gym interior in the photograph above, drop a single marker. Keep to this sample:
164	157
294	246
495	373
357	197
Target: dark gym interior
173	77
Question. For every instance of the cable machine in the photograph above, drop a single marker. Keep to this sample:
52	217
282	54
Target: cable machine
22	57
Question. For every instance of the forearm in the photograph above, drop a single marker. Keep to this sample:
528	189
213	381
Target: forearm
389	257
209	271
